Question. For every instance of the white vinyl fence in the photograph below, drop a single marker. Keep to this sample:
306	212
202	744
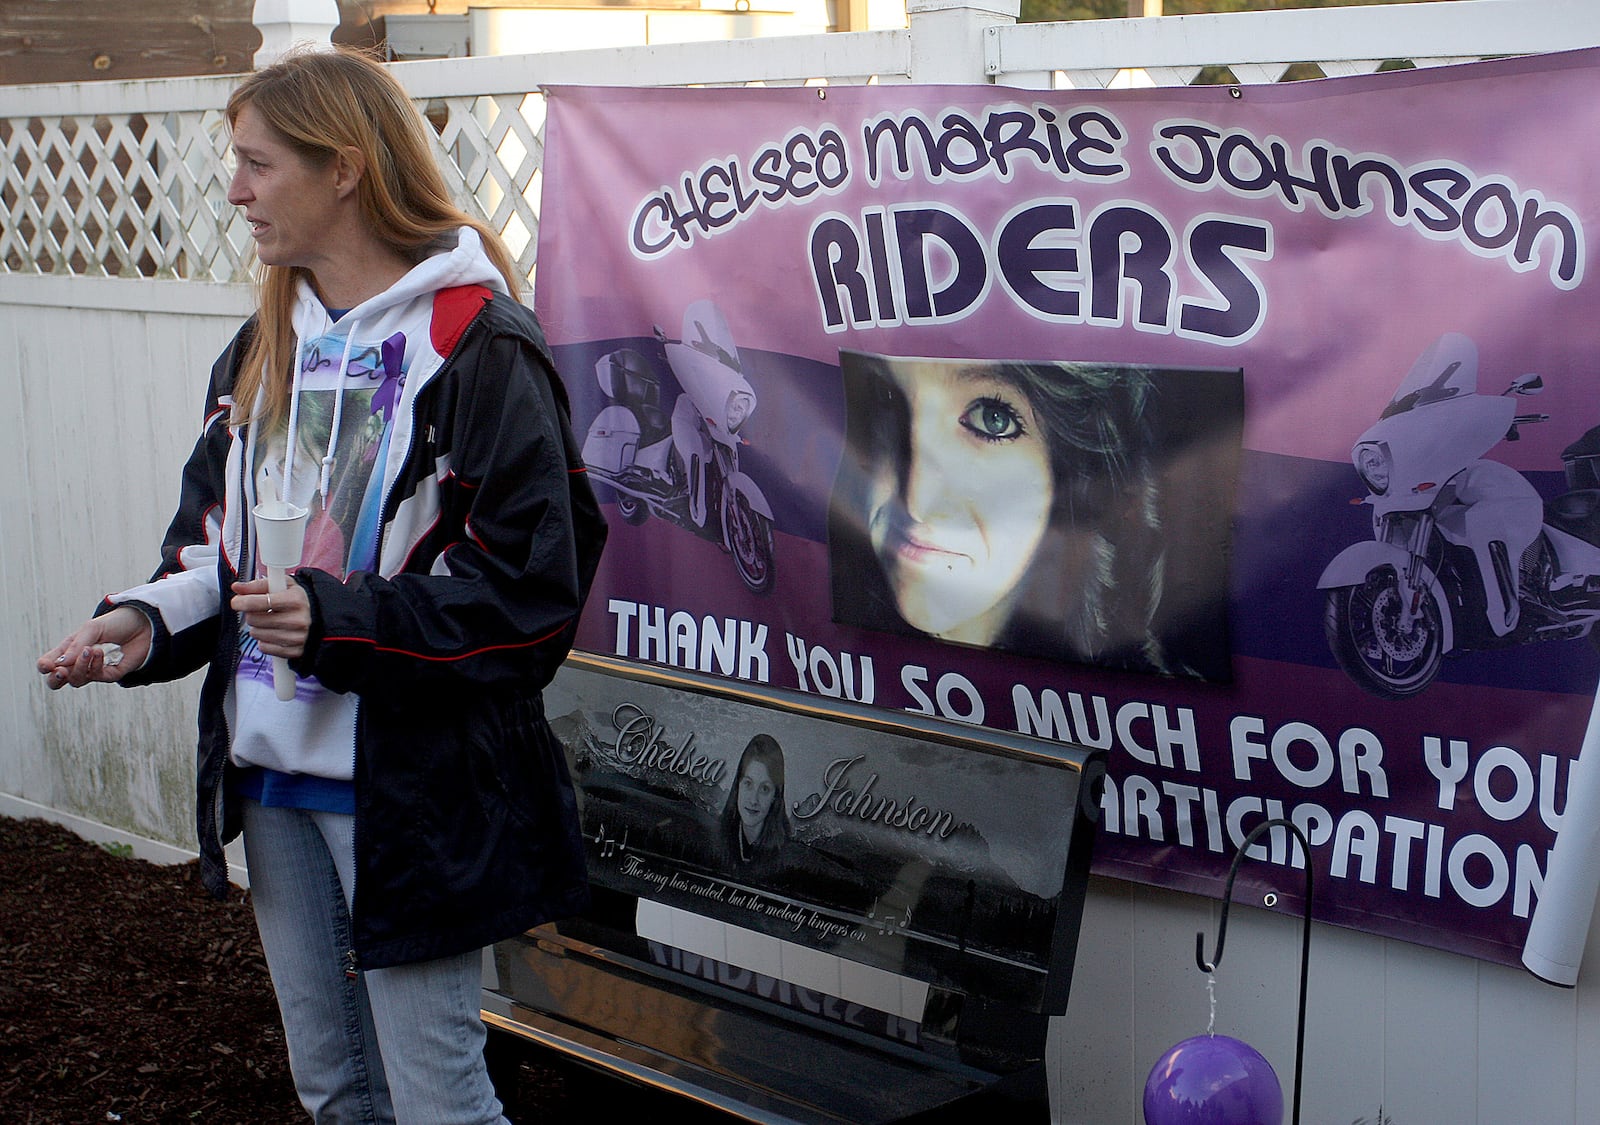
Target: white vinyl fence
123	270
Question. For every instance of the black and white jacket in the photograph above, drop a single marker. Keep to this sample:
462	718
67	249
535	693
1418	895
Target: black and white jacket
466	826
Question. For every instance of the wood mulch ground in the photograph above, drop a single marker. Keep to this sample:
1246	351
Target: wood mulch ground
127	993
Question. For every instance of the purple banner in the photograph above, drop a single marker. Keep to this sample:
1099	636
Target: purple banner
1241	431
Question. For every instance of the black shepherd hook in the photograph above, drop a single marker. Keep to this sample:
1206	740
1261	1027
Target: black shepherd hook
1305	938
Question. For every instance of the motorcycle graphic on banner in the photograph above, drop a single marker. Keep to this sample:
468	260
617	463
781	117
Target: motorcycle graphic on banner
682	465
1465	554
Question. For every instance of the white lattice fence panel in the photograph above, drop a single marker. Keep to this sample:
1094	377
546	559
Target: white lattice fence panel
119	195
209	237
145	195
493	148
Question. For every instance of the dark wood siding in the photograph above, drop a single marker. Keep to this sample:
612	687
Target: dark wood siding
87	40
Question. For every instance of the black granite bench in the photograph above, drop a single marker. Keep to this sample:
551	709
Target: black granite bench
953	857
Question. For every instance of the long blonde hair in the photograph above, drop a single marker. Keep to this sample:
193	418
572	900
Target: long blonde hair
322	103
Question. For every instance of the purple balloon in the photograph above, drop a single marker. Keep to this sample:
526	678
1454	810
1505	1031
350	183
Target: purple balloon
1213	1080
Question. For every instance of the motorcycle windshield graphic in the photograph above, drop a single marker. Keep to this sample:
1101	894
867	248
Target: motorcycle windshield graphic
1448	369
707	366
1436	425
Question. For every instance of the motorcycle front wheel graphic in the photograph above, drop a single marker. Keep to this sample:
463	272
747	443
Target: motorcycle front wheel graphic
1376	649
749	537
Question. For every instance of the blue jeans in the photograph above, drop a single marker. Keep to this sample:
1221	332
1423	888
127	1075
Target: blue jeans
402	1044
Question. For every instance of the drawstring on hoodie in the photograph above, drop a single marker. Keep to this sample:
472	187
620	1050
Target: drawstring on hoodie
294	416
325	474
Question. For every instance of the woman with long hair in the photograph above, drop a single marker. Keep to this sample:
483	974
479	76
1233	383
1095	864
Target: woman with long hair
409	805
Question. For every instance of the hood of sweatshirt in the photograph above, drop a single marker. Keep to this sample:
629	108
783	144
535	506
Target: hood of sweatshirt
408	301
460	260
396	318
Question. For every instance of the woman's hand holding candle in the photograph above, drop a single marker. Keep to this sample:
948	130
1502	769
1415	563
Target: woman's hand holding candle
280	620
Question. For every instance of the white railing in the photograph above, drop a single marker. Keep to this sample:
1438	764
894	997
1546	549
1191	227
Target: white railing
1271	46
130	179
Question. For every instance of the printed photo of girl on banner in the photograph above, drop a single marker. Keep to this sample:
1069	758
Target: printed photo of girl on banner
1063	510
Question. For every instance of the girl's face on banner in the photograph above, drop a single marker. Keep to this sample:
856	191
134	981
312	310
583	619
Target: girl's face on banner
956	527
756	793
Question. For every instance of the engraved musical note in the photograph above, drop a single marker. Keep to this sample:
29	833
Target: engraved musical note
608	844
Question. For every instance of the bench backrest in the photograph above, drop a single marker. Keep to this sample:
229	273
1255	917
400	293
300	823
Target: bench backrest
950	854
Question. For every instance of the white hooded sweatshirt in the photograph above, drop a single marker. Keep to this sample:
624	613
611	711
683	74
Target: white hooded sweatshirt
349	388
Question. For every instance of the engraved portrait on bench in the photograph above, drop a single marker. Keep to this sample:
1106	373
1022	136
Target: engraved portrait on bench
754	826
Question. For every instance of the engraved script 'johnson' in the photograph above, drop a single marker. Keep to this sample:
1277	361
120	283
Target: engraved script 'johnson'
908	815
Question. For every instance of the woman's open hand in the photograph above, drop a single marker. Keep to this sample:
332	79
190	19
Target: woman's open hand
102	650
